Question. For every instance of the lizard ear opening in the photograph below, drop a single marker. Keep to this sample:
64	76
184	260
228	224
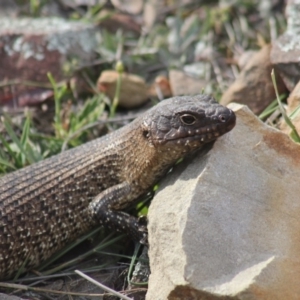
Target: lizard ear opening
146	134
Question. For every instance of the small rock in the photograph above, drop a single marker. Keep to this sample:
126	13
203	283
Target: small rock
160	87
254	86
286	49
227	226
183	84
133	92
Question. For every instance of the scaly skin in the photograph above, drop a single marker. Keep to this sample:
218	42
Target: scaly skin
45	206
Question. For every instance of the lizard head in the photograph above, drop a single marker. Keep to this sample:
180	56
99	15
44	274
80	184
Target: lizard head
186	123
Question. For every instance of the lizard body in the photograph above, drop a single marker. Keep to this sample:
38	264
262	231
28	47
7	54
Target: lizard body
46	205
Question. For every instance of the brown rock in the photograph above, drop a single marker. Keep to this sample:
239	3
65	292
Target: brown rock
160	87
254	86
183	84
133	92
286	49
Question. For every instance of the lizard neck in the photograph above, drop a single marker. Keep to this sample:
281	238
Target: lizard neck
145	163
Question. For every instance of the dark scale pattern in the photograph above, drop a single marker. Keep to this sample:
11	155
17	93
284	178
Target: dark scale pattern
47	205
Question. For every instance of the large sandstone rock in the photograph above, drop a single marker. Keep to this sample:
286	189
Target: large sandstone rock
227	226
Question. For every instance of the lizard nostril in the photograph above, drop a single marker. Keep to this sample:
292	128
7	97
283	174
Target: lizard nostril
222	118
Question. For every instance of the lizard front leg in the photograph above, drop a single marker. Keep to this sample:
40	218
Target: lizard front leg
106	207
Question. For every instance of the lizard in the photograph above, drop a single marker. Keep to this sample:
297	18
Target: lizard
46	205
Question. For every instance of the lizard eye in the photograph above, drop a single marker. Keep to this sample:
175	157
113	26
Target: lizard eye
188	119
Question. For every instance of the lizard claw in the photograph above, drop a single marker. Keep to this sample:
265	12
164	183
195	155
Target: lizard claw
142	222
144	239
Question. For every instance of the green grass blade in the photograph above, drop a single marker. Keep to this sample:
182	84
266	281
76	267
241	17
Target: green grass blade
11	153
57	99
68	248
25	132
7	164
295	112
270	108
295	136
18	143
71	262
25	141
